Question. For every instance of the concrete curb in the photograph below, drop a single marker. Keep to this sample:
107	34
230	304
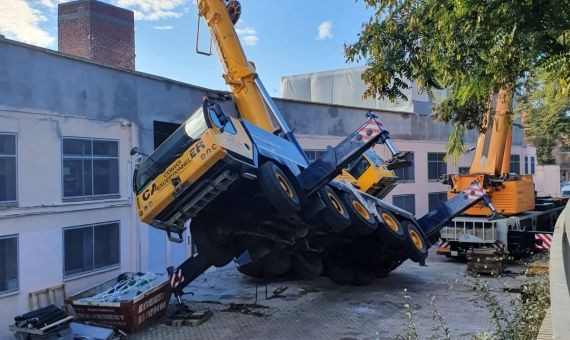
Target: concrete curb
559	278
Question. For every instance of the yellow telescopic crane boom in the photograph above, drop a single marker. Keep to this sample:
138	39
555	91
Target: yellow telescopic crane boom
493	151
240	75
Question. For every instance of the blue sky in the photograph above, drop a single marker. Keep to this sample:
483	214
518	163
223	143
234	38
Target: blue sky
282	37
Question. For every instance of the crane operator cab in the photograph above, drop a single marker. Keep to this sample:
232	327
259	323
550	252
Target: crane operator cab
188	170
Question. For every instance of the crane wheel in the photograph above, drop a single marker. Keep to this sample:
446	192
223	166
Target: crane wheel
390	229
306	266
278	188
415	245
335	213
274	264
363	222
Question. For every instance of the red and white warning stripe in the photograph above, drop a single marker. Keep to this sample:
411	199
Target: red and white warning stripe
370	130
475	191
444	244
498	246
176	278
543	241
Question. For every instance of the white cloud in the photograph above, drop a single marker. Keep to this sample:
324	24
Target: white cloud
152	10
246	33
20	21
325	29
163	28
250	40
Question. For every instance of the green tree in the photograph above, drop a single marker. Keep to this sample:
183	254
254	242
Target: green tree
477	49
545	109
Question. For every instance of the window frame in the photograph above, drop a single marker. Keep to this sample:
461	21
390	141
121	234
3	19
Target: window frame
532	165
405	195
511	162
434	193
93	196
413	169
94	270
16	198
437	162
13	291
466	168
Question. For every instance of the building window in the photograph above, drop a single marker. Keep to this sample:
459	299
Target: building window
515	164
435	199
90	168
532	164
8	264
406	174
406	202
313	155
90	248
436	165
8	176
463	169
526	164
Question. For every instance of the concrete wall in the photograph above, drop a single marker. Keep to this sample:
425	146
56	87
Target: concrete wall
559	280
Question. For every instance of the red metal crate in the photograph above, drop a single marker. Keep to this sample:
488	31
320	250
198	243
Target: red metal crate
129	315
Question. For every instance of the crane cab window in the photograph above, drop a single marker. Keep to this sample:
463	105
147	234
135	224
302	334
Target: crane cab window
172	148
358	167
228	127
374	158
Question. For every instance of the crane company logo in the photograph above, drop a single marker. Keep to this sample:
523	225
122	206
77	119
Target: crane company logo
194	151
180	164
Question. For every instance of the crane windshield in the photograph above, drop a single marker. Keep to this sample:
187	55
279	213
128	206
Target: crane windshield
170	149
374	158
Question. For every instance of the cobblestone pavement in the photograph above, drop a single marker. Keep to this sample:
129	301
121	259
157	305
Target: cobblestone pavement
321	310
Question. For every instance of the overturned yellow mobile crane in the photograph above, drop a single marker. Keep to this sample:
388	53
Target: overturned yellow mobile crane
251	193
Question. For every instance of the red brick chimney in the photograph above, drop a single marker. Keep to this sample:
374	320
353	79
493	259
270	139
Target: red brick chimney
98	31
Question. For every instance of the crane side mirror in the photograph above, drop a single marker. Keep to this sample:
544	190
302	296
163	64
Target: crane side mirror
134	151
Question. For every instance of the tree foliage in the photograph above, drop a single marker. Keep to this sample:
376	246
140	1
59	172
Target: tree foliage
472	48
545	110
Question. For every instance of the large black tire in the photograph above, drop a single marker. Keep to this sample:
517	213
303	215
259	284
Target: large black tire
338	273
390	229
415	246
209	245
306	266
362	276
278	188
335	213
274	264
363	222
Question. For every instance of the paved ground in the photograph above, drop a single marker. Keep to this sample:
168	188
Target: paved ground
320	310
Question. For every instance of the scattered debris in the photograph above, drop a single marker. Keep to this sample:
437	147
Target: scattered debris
83	331
277	292
127	288
246	308
190	318
513	289
43	323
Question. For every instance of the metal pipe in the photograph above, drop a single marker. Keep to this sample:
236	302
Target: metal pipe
392	147
280	119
